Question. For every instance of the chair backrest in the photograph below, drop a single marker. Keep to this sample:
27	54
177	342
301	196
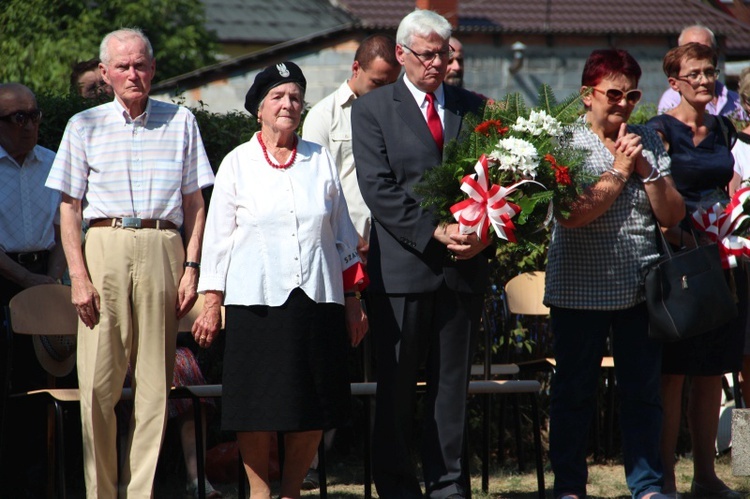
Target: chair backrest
47	309
525	293
42	310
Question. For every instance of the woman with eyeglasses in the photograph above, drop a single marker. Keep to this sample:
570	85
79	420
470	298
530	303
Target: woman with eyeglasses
699	145
596	262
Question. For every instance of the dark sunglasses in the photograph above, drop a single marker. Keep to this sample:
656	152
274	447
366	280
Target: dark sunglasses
615	96
22	118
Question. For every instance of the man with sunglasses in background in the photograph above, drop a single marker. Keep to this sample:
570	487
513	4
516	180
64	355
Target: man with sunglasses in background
31	254
725	102
426	280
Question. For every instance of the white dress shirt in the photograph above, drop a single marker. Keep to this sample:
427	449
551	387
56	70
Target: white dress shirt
421	98
329	123
269	231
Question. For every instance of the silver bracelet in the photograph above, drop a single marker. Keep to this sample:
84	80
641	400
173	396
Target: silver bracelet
617	174
652	177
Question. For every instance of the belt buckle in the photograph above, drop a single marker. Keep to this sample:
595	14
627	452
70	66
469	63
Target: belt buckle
131	222
27	258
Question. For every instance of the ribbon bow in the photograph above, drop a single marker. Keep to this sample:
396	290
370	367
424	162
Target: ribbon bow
720	223
486	205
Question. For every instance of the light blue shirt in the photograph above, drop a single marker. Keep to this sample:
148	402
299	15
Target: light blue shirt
28	209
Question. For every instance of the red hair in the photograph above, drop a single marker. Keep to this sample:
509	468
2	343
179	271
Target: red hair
609	62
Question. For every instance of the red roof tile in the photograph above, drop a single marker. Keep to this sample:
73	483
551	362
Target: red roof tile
585	17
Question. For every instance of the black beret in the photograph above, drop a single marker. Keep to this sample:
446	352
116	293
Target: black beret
272	76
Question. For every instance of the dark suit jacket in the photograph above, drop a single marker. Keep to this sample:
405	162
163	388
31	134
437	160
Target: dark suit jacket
393	148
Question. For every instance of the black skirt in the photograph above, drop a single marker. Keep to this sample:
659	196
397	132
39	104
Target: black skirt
718	351
285	367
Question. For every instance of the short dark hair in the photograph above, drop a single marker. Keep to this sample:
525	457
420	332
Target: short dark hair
80	68
673	60
375	46
609	62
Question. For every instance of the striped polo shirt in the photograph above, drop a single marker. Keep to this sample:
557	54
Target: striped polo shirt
131	167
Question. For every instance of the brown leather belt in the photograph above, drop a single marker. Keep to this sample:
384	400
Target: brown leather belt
132	223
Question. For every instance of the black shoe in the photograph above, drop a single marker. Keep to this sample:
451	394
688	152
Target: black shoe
311	480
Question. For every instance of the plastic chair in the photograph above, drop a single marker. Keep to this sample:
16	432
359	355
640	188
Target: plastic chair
524	296
47	309
43	310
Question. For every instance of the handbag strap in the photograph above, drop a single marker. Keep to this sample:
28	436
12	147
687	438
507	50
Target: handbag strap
665	244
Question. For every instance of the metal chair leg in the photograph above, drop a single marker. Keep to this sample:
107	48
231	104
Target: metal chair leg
60	446
322	467
485	443
537	444
368	448
519	436
199	450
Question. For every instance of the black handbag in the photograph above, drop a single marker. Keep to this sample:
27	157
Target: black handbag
687	293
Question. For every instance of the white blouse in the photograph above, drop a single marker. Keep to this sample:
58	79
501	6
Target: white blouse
269	231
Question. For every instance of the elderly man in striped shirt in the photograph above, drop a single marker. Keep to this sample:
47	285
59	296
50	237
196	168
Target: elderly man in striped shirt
133	169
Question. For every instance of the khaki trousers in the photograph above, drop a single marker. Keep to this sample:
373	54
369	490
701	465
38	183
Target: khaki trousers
136	272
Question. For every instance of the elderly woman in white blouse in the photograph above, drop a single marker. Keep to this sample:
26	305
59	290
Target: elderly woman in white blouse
280	254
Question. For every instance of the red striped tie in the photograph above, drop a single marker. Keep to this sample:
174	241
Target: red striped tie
433	121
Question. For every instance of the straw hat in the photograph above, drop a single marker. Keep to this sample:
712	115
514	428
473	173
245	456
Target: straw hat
56	353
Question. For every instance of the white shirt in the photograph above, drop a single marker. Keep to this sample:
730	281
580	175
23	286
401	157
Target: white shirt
329	123
741	153
421	98
131	167
28	209
269	231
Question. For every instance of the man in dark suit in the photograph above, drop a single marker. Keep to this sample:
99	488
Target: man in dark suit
427	280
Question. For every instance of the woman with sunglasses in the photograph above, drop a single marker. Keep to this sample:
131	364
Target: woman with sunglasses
596	261
699	145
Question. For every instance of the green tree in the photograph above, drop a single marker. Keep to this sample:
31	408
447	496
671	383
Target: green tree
41	39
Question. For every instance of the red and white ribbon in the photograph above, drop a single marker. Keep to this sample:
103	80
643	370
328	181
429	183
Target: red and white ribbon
720	223
486	205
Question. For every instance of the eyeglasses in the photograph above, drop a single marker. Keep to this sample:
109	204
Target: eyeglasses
694	77
22	118
615	96
429	57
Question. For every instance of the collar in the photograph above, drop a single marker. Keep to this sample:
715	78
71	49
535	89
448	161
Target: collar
31	156
419	95
344	95
126	115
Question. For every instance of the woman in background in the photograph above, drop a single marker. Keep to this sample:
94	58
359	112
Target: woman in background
699	145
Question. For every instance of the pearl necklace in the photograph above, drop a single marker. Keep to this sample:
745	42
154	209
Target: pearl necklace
283	166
